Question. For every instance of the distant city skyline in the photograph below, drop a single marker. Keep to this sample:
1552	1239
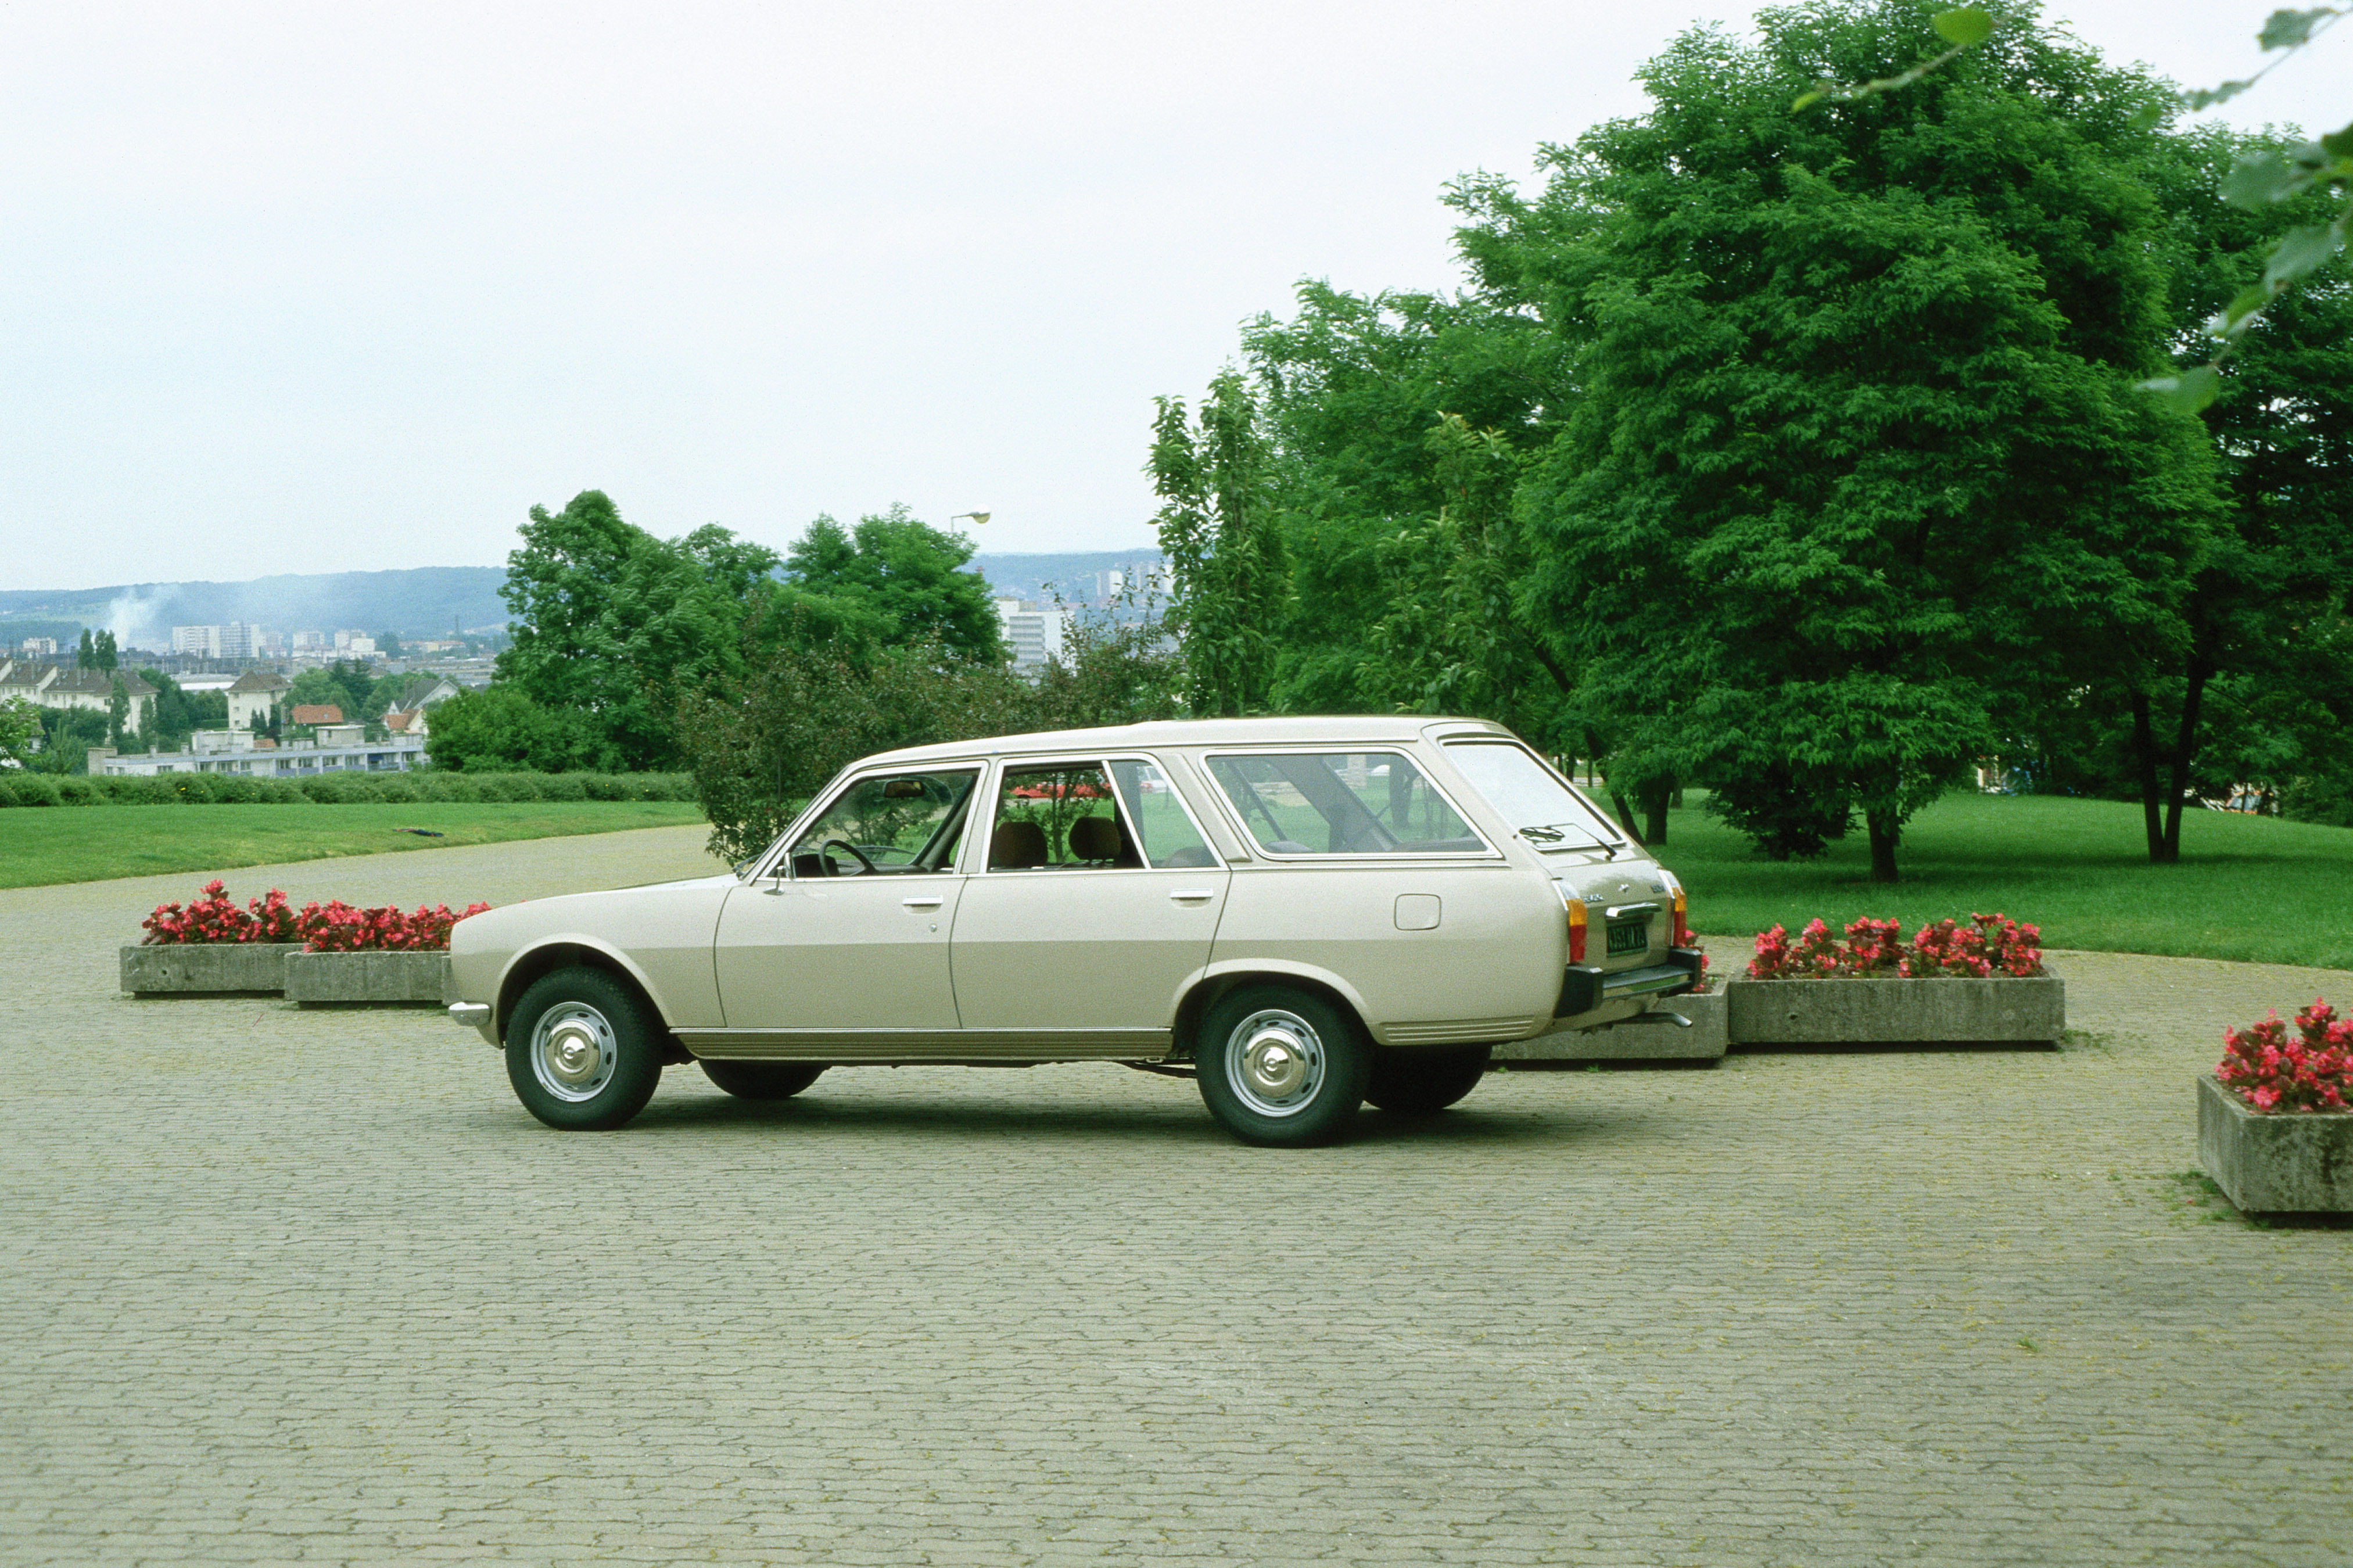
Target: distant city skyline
284	278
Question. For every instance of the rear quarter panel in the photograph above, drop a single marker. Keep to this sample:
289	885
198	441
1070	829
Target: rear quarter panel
1489	969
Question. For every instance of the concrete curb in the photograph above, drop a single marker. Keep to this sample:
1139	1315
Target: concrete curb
206	968
381	978
1894	1012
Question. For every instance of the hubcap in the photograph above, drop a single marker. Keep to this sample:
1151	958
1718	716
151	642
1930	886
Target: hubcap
573	1051
1274	1063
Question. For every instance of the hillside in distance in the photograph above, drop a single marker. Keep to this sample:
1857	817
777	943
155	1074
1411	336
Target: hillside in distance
413	602
419	601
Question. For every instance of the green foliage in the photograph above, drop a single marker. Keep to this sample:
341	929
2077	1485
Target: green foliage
611	623
761	743
500	729
20	725
346	787
1854	437
1219	531
892	581
175	714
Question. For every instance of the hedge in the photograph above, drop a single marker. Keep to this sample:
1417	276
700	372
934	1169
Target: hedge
20	788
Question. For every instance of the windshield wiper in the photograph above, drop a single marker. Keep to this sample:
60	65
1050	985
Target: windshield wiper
1552	834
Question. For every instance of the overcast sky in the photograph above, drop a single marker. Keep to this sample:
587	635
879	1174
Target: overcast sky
302	287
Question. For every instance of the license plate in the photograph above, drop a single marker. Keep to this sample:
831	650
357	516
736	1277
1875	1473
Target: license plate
1633	937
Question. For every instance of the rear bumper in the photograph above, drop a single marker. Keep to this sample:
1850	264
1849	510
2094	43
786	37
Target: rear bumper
1586	986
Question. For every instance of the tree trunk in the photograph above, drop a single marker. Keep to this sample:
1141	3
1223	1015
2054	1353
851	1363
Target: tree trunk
1654	815
2185	752
1885	833
1626	816
2144	764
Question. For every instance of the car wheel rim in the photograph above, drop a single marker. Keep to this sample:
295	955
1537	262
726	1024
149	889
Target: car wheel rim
1274	1063
573	1051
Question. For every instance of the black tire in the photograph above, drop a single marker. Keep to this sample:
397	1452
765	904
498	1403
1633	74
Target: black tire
583	1051
1423	1082
1279	1066
762	1080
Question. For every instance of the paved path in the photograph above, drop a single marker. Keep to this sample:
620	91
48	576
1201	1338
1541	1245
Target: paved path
297	1286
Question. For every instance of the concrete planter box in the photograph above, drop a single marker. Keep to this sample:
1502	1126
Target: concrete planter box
207	968
1704	1041
2275	1164
376	977
1894	1012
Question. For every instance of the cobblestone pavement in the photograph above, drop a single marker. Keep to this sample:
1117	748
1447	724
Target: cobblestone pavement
309	1286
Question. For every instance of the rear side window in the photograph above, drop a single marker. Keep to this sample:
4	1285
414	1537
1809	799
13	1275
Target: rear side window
1342	802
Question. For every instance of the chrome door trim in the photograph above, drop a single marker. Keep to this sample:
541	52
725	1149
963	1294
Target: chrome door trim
881	1045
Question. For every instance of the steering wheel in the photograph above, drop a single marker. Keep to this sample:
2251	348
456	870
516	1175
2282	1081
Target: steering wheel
855	853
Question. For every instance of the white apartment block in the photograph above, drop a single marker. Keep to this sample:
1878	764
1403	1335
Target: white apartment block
1034	635
235	641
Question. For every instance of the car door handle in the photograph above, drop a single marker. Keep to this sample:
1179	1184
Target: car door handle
931	901
1193	895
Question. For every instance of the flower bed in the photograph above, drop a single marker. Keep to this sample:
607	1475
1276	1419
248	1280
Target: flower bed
2276	1074
1990	985
2275	1117
332	927
333	951
1990	947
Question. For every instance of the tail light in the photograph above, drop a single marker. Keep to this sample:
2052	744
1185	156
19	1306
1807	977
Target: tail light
1575	926
1682	918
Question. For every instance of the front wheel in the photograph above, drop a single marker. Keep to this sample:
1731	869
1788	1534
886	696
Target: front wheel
1422	1082
581	1051
763	1080
1281	1066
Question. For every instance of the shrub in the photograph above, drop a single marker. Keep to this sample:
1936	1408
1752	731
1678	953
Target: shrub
73	790
509	786
562	786
1988	946
28	789
2276	1074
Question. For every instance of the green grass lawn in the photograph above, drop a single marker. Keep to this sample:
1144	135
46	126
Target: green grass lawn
85	843
2248	888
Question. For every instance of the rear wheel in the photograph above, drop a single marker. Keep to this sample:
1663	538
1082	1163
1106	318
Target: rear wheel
763	1080
581	1052
1421	1082
1281	1066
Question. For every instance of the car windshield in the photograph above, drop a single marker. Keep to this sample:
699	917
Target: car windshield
1529	796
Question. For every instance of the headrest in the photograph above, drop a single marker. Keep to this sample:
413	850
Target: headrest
1016	846
1094	838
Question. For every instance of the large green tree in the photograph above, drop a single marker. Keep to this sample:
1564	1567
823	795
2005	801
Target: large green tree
2265	645
613	622
1220	529
893	581
1853	432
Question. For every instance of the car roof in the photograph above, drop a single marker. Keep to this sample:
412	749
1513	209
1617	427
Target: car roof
1338	730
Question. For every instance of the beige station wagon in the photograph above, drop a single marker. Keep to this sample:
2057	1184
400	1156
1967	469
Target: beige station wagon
1301	914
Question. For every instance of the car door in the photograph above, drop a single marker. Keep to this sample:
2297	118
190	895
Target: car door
1095	898
850	937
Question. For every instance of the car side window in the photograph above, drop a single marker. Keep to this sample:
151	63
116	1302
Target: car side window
1059	816
1342	802
888	825
1165	830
